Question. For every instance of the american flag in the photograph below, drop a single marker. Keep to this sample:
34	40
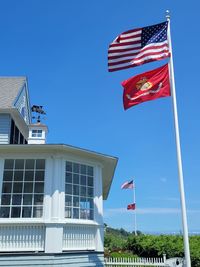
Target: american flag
127	185
131	206
138	46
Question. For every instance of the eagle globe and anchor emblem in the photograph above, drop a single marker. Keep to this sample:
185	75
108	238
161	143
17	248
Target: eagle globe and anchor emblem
143	85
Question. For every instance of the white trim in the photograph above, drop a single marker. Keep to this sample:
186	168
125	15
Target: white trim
1	176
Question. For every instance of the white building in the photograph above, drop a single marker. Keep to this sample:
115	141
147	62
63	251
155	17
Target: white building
51	195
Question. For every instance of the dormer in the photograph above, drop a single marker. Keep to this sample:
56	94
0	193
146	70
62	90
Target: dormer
37	133
15	115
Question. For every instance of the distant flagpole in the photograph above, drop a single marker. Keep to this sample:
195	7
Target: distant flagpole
134	201
178	150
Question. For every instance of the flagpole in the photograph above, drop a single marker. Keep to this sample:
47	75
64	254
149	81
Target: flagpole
178	150
134	210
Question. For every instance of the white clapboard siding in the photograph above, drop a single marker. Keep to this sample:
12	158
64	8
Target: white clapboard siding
22	238
4	128
79	237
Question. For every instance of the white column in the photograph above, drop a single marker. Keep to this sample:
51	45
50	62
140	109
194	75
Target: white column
55	199
1	174
57	189
98	208
48	188
54	238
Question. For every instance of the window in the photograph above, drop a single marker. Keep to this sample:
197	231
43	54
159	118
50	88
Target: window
79	191
36	133
16	137
23	188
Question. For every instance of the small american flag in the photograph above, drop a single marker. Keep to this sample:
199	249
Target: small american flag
138	46
127	185
131	206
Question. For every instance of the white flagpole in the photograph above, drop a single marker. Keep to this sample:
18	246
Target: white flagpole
178	150
134	210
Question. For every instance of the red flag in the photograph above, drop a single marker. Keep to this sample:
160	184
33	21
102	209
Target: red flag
131	206
146	86
127	185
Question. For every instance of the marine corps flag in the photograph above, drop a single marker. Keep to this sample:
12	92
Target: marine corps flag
146	86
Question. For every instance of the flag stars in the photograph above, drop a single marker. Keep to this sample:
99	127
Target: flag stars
154	34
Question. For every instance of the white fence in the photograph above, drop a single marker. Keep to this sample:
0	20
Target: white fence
135	262
140	262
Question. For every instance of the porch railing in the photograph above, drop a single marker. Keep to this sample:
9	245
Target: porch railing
79	237
22	238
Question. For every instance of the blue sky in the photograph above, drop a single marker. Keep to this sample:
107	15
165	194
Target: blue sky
61	46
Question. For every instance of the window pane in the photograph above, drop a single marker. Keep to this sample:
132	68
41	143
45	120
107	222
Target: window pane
83	191
28	187
39	187
15	212
83	180
76	179
27	199
83	169
76	189
83	203
17	187
4	212
7	188
68	189
90	181
91	203
69	166
5	199
38	199
91	215
68	213
29	176
9	164
83	214
7	175
90	192
40	164
19	164
75	213
68	200
37	212
29	164
90	170
39	176
18	175
68	178
16	199
26	212
76	167
76	201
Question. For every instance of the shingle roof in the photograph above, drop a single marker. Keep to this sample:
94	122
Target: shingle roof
9	90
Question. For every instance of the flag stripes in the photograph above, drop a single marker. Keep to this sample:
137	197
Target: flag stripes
131	206
128	185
